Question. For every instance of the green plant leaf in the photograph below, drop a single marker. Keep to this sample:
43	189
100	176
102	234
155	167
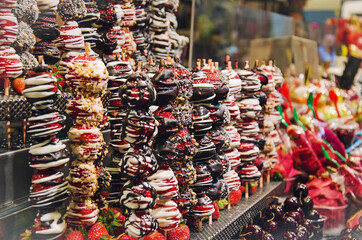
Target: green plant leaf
310	103
183	221
325	153
295	116
282	116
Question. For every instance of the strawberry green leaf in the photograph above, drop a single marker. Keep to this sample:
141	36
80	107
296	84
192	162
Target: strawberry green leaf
183	221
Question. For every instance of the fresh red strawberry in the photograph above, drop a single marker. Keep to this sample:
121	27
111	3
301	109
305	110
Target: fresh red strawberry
182	232
235	197
216	213
252	187
154	236
39	187
18	85
97	231
75	235
60	78
278	172
113	220
126	237
242	189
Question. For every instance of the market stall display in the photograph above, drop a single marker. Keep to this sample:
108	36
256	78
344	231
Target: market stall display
185	144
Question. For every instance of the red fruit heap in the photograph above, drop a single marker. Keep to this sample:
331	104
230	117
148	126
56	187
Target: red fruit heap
182	232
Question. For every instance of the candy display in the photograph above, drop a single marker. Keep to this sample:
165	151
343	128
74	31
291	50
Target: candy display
153	144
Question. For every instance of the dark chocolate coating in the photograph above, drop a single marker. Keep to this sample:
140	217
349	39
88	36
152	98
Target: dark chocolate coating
205	151
107	15
203	178
167	125
163	151
108	42
166	86
202	120
142	83
145	189
225	162
215	167
218	114
46	27
185	173
217	138
48	50
218	190
262	99
185	199
50	157
141	121
202	94
146	162
92	15
146	224
263	78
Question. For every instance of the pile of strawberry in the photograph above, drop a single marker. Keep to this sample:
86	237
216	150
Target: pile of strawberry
110	227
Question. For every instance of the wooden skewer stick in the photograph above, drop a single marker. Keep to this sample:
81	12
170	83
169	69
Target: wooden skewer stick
216	66
209	61
246	190
199	224
7	123
261	181
229	65
212	67
268	177
166	234
40	60
24	131
203	63
139	66
198	65
229	199
210	220
162	62
87	48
